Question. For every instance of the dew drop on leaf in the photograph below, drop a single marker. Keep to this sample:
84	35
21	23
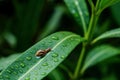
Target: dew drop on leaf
38	57
56	60
12	67
43	73
21	71
55	38
22	65
16	66
15	73
62	57
27	78
45	64
54	55
29	58
9	71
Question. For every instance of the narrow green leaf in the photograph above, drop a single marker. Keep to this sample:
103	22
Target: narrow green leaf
115	33
106	3
99	54
79	9
28	66
5	61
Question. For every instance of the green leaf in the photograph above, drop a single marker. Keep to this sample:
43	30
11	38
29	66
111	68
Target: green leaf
115	33
99	54
5	61
79	10
106	3
28	66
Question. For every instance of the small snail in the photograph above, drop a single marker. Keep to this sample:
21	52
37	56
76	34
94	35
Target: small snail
41	53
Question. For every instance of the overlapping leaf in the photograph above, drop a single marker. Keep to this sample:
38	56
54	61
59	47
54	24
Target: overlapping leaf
106	3
115	33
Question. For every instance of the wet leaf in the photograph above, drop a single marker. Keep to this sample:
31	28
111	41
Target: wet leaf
99	54
79	10
28	66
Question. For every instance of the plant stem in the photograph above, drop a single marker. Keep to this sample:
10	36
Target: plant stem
78	67
93	21
88	36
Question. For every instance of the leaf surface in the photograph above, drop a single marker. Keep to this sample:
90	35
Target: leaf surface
5	61
79	10
106	3
115	33
28	66
99	54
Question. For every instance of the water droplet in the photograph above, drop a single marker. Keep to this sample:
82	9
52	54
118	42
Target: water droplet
21	71
62	57
43	73
29	58
45	64
54	55
16	66
38	57
22	65
9	71
56	60
27	78
15	73
55	38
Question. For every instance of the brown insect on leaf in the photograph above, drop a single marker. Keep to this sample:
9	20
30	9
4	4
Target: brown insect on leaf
41	53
